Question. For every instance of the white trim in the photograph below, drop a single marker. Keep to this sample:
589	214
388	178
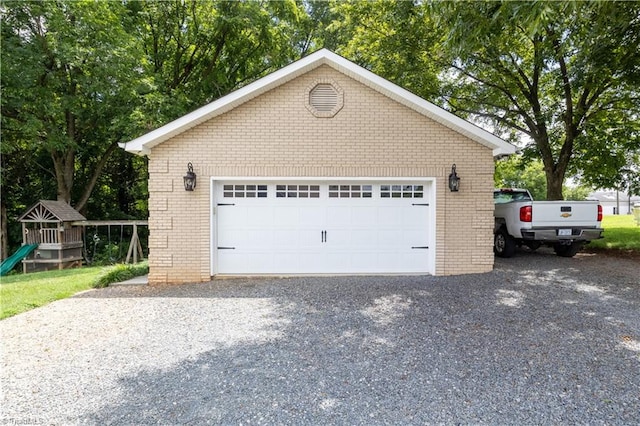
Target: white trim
144	143
320	178
215	180
213	238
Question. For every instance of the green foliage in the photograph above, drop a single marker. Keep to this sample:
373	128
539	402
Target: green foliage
69	74
518	172
576	193
120	272
396	40
544	73
108	254
314	31
608	154
67	85
515	172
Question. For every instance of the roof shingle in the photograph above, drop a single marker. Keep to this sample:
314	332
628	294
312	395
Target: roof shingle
51	211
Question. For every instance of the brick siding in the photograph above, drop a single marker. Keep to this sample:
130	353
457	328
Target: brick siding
276	135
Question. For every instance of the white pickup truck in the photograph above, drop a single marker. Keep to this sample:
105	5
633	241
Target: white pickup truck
564	225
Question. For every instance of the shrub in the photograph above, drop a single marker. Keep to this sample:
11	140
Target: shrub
120	272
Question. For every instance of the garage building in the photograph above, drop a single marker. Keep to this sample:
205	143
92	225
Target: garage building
319	168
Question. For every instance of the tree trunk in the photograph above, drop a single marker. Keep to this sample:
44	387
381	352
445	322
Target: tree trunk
64	165
554	186
94	178
65	162
553	173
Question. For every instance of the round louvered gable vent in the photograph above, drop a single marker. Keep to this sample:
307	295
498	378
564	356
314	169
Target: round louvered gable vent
324	99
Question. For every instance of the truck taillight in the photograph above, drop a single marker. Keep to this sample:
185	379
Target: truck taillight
526	214
599	213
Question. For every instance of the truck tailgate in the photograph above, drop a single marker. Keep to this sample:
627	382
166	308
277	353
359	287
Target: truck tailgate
569	214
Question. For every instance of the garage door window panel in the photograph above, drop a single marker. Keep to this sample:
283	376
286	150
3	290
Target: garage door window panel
350	191
401	191
297	191
245	191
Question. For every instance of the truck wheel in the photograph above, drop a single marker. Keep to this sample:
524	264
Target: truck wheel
567	250
503	244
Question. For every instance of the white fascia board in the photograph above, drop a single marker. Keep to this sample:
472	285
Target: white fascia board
144	143
322	178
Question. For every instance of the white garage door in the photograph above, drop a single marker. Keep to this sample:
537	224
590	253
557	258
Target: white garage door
337	227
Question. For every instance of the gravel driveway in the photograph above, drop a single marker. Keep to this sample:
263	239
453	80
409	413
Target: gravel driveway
541	340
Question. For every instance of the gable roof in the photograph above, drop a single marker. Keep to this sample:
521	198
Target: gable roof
144	143
611	196
51	211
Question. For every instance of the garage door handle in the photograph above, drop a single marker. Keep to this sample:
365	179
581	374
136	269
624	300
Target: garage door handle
228	204
226	248
420	247
323	236
418	204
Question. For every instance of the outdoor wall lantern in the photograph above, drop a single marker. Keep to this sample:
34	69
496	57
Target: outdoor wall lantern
454	180
190	178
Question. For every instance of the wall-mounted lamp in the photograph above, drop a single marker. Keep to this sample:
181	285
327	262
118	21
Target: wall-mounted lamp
454	180
190	178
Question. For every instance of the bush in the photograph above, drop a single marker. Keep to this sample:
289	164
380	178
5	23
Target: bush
120	272
108	254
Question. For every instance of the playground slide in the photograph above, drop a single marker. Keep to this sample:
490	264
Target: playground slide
10	262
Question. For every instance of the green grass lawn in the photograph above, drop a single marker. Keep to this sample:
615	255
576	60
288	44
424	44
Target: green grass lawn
19	293
620	233
22	292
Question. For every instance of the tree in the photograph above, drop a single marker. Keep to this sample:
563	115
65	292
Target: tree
397	40
20	186
609	153
68	69
549	71
315	30
195	52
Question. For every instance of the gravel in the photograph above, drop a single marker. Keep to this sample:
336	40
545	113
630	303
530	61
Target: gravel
541	340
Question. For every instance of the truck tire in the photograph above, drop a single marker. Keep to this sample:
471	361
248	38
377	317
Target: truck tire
568	250
503	244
